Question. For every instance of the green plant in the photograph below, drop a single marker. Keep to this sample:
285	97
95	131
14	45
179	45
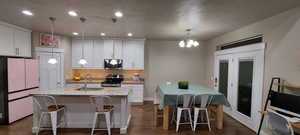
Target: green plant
183	84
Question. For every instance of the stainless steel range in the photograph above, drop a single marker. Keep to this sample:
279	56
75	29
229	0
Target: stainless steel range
113	80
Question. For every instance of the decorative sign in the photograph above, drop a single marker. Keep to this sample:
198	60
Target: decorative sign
46	40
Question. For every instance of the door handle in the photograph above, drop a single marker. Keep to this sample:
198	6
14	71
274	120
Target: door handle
216	82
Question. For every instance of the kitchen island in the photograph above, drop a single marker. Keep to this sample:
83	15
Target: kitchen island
79	112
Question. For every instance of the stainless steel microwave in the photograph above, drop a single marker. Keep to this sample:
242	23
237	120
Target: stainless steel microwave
113	63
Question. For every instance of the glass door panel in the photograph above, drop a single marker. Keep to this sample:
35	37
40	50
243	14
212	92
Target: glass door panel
245	79
223	77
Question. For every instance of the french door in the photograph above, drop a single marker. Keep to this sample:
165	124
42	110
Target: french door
239	76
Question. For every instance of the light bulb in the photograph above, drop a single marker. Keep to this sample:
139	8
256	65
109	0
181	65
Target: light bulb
119	14
82	61
181	44
27	12
52	61
113	62
72	13
129	34
196	43
190	41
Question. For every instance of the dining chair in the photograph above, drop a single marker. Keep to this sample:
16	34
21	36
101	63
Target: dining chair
47	105
279	124
183	105
201	103
103	106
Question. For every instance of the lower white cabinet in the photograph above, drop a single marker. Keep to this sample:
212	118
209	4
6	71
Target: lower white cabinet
137	93
135	96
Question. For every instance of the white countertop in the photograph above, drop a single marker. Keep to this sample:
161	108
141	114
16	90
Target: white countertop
72	91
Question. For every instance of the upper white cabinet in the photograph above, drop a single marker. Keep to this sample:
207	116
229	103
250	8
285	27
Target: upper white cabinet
108	49
95	51
113	49
133	54
98	53
22	42
7	41
82	49
118	49
14	41
76	53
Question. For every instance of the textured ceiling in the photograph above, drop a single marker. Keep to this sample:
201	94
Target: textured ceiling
154	19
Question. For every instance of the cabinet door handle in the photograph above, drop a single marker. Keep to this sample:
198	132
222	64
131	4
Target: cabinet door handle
16	49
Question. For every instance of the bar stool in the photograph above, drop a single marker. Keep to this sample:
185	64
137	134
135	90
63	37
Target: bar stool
279	123
186	106
204	101
103	106
48	106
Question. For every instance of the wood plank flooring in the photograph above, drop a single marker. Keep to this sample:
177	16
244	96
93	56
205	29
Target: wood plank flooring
142	123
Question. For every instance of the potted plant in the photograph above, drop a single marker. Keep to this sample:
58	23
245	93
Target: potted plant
183	84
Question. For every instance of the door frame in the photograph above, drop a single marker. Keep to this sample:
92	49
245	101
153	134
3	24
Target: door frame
234	52
60	51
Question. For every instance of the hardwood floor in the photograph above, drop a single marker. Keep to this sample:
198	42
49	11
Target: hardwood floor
141	124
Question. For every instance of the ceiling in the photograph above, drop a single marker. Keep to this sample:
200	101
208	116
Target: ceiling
152	19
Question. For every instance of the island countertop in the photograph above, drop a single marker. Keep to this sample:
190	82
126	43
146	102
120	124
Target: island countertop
72	91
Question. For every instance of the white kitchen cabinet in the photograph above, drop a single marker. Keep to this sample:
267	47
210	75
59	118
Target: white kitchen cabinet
137	93
133	54
118	48
108	49
88	53
98	54
7	41
113	49
95	51
22	43
14	41
77	53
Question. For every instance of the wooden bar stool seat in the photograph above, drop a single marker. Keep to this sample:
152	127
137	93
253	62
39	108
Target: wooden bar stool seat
52	108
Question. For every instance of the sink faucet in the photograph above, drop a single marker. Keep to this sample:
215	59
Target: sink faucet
86	78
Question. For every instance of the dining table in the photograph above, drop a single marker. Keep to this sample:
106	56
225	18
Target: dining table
166	94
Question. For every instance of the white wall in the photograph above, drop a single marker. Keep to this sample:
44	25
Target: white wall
281	33
165	61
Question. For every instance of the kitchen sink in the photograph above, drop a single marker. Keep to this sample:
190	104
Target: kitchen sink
90	89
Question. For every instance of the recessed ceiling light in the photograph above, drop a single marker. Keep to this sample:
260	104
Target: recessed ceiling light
27	12
75	33
72	13
119	14
102	34
129	34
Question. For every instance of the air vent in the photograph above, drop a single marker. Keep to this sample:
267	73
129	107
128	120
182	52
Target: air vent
243	42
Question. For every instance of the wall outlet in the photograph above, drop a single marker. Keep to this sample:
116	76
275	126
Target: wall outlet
1	115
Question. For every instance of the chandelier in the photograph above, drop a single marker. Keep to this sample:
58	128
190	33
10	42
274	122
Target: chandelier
188	42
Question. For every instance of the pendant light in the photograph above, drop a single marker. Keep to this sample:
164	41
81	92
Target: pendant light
82	61
52	60
188	42
113	60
